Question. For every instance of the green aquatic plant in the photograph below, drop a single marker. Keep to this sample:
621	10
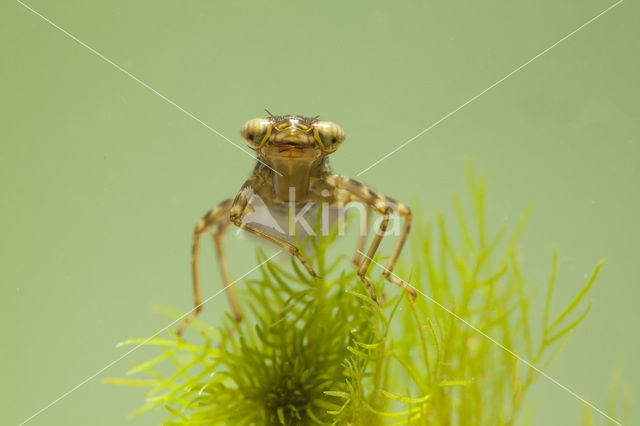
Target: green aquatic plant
322	352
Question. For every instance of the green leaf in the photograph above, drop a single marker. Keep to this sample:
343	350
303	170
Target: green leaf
578	298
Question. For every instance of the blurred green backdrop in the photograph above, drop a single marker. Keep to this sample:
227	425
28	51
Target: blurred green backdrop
102	180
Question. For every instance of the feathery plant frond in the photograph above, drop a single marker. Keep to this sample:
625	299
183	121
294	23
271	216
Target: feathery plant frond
322	352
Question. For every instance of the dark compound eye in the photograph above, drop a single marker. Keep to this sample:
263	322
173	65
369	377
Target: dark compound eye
328	135
256	132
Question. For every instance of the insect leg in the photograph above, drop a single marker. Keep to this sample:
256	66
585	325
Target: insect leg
240	208
217	235
384	206
362	239
364	265
404	233
217	216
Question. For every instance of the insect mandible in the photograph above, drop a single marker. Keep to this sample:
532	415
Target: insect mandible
292	158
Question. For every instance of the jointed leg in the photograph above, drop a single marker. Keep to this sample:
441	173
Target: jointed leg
217	235
362	239
217	217
384	206
364	266
240	208
394	257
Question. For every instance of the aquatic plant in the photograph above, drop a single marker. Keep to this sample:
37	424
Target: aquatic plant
322	352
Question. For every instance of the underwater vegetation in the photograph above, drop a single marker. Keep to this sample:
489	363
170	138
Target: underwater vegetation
322	352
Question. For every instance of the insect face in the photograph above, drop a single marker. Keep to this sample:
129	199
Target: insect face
292	133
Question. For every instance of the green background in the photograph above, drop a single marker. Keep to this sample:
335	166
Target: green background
103	181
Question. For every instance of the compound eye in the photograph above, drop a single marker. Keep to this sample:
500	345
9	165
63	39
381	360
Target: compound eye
328	135
256	132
